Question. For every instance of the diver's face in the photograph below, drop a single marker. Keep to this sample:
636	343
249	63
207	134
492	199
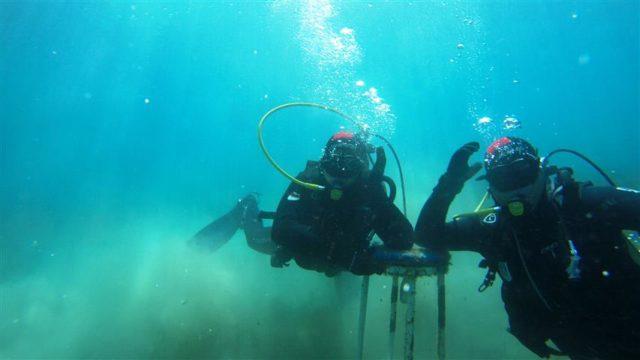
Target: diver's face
518	186
523	200
342	167
339	182
515	175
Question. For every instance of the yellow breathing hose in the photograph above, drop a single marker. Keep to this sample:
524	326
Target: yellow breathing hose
266	152
484	198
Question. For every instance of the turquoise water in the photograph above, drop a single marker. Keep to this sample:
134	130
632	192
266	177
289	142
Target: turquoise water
127	126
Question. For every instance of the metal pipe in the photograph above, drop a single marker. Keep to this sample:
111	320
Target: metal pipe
393	316
364	295
441	315
409	287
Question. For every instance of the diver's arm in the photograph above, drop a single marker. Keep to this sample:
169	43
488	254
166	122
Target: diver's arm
466	232
431	229
389	223
288	230
617	206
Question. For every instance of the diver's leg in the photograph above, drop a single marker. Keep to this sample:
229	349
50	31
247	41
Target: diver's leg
260	240
258	236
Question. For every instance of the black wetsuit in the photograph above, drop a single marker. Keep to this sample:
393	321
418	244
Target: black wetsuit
332	235
596	314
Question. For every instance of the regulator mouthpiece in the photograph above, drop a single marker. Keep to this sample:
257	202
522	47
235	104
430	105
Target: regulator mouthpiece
335	194
516	208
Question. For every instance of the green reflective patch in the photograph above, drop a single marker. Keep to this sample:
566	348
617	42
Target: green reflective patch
336	194
516	208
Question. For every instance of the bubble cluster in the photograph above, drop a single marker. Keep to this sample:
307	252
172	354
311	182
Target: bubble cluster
491	129
485	126
346	31
484	120
510	123
319	40
372	94
332	55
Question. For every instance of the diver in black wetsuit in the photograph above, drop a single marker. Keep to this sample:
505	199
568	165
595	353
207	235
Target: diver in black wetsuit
569	274
330	231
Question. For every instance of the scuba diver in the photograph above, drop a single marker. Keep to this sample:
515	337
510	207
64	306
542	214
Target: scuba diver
331	230
326	230
562	249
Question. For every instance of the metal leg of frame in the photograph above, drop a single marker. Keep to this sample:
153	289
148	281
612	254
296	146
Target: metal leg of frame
364	295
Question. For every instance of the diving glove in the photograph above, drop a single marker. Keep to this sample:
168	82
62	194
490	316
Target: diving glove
459	170
377	172
539	347
281	257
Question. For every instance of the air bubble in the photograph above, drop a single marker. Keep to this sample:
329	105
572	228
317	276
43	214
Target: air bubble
484	120
584	59
511	123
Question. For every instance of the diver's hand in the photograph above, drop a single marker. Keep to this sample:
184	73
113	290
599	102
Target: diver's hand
380	154
377	172
281	257
459	169
540	348
535	341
